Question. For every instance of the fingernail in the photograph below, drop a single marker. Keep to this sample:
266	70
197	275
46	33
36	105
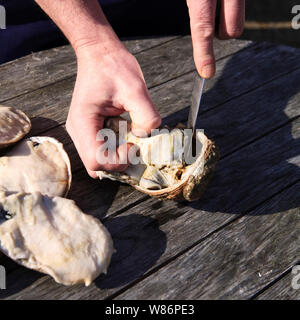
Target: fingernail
207	71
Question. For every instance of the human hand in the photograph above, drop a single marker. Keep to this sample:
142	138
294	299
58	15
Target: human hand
107	84
202	20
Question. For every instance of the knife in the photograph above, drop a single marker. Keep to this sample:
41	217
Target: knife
195	102
193	114
199	84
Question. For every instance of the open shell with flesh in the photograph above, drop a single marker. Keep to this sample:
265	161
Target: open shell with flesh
14	125
162	172
36	164
53	236
40	229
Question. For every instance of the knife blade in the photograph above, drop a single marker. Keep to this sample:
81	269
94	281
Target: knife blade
195	101
199	82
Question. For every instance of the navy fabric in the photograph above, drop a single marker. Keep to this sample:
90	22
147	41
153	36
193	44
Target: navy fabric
29	29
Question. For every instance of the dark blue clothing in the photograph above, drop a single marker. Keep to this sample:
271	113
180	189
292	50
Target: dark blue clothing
29	29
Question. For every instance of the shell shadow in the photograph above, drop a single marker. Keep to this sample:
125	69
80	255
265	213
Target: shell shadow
17	277
139	243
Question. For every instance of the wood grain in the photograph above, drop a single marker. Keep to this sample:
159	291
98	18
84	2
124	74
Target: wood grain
251	109
50	105
235	262
152	233
46	67
281	290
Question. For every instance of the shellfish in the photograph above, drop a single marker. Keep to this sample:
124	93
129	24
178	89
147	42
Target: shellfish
163	171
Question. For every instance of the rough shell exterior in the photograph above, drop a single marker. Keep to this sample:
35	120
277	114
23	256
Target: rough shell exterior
14	125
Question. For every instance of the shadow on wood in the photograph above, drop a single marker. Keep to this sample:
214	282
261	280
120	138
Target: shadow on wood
258	145
139	243
18	280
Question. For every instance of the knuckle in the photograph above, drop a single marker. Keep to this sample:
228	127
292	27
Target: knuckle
204	30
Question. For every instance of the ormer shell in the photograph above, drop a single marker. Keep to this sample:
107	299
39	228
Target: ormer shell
170	177
14	125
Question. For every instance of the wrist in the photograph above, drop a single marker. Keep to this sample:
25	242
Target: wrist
108	53
102	39
93	48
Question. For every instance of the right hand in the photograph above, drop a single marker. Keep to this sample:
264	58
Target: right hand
107	84
202	19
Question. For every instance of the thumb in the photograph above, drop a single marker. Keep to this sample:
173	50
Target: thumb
142	111
83	131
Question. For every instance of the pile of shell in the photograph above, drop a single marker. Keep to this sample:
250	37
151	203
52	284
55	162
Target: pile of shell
39	228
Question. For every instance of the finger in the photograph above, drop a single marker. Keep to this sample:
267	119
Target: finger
142	111
83	130
232	19
202	20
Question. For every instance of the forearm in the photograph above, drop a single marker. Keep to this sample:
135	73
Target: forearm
83	23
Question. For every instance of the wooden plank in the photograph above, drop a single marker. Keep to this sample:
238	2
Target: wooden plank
46	67
50	104
171	60
236	75
102	199
152	233
236	262
250	117
281	290
125	195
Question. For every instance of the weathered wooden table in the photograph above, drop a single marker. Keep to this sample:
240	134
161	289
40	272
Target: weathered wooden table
242	239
